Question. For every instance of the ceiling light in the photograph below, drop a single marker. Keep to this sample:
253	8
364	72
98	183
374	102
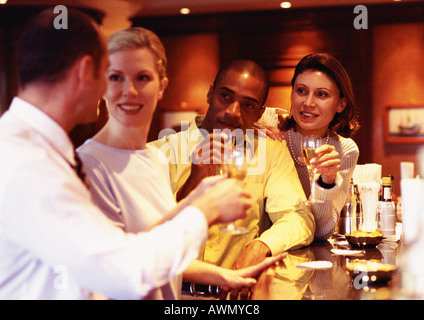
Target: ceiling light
285	5
3	1
184	10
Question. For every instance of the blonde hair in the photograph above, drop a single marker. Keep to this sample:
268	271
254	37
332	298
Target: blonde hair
134	38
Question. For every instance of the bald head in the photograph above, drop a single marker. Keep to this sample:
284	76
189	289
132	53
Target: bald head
248	67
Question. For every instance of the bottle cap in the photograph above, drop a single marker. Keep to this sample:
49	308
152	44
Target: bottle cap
387	181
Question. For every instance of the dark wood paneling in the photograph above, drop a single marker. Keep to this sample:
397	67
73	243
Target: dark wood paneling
277	40
292	19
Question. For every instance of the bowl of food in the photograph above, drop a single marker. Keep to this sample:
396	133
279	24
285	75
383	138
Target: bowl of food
363	239
371	272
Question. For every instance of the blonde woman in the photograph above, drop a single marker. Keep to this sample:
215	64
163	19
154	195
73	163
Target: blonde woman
128	180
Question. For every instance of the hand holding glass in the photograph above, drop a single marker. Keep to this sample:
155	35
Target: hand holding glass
235	166
309	146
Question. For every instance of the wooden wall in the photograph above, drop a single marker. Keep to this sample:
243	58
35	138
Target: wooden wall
398	79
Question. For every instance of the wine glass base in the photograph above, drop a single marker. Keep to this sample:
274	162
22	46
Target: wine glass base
232	229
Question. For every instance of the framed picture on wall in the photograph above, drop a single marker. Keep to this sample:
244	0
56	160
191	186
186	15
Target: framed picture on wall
404	124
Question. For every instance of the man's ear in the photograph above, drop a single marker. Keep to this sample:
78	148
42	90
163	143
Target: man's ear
85	69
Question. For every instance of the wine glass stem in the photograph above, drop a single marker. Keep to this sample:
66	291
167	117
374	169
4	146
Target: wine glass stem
312	179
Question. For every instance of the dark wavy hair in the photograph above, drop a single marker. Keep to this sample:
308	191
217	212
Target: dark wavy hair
344	123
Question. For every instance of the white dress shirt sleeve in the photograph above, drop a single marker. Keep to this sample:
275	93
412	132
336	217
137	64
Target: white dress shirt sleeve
59	225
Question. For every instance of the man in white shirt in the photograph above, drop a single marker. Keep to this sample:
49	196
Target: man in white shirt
54	243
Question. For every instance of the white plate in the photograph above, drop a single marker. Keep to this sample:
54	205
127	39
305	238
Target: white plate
315	265
391	238
347	252
341	243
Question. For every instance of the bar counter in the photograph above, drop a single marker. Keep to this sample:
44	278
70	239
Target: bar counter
289	281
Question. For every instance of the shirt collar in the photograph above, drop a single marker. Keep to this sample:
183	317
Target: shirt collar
51	131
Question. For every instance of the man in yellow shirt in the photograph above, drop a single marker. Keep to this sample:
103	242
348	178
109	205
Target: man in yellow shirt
279	220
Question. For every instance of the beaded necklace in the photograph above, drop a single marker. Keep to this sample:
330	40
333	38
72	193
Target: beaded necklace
327	138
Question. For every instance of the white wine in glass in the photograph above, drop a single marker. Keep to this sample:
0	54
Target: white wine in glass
235	166
309	145
308	154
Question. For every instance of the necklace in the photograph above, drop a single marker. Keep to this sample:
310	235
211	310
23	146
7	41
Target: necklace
327	138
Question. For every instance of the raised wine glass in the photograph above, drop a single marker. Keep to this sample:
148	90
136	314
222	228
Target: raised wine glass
309	145
235	166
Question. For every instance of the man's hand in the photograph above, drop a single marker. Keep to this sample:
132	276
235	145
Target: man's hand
207	158
254	253
225	201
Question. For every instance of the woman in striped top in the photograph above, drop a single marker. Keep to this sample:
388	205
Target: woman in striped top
322	103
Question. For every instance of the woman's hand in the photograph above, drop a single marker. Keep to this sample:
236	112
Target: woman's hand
327	163
246	277
263	129
206	273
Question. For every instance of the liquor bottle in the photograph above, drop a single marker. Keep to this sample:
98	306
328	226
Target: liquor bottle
359	214
348	214
386	212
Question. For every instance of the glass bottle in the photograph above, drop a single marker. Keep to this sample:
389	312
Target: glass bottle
386	211
359	215
348	215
